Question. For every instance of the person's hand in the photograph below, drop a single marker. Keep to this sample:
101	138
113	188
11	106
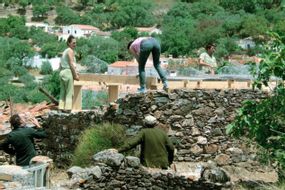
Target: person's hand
35	122
76	77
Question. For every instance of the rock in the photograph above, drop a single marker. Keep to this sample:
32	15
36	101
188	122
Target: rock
188	123
195	131
215	175
211	148
202	140
222	159
220	111
196	150
109	157
217	132
132	161
235	151
134	129
240	174
96	172
74	170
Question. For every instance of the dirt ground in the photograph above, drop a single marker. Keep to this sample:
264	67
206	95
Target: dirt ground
57	177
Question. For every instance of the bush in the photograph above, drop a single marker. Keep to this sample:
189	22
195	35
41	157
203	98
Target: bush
263	121
92	99
96	139
52	84
46	68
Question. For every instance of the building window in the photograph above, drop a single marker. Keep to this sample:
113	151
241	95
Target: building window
74	31
68	31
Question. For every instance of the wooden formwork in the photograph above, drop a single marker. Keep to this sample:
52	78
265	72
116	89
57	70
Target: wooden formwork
113	82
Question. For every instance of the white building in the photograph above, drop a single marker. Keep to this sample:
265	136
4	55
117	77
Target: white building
37	61
246	43
79	30
41	25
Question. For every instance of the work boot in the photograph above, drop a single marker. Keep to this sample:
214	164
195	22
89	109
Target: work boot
142	90
165	86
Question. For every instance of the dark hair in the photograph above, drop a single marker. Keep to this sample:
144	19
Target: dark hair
69	39
15	121
209	45
130	43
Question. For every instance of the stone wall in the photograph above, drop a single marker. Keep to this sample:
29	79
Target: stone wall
112	170
63	132
196	120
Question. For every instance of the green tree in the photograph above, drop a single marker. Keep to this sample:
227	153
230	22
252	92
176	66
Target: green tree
52	83
263	121
40	11
66	16
46	68
132	13
52	49
105	49
95	65
254	26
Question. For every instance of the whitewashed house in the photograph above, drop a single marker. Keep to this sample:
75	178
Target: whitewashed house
41	25
79	30
246	43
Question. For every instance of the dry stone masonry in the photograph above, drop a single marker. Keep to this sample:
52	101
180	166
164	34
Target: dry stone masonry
196	120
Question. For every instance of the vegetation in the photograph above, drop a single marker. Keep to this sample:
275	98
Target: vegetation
46	68
264	121
95	139
186	25
92	99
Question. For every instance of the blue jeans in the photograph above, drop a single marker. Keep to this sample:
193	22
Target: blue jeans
148	46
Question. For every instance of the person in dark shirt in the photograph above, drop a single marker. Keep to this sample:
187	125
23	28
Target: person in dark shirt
157	151
20	141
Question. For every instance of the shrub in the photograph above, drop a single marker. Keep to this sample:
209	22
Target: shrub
91	99
46	68
95	139
263	121
52	83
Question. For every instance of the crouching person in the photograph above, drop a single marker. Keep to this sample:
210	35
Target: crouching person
157	151
20	141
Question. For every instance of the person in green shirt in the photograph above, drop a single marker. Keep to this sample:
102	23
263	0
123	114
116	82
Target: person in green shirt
20	141
157	151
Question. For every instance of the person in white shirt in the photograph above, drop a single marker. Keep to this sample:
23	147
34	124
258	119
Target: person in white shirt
207	61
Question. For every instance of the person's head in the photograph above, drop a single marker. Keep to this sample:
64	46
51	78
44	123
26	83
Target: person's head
71	42
16	121
129	44
150	121
210	48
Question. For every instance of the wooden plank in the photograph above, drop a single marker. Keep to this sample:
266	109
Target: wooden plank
113	92
6	177
86	83
77	98
185	82
124	79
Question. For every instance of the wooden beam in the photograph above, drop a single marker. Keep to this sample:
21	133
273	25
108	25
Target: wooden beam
113	92
185	82
48	95
123	79
77	98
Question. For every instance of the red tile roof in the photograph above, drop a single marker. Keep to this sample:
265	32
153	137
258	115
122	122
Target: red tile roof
85	27
124	64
